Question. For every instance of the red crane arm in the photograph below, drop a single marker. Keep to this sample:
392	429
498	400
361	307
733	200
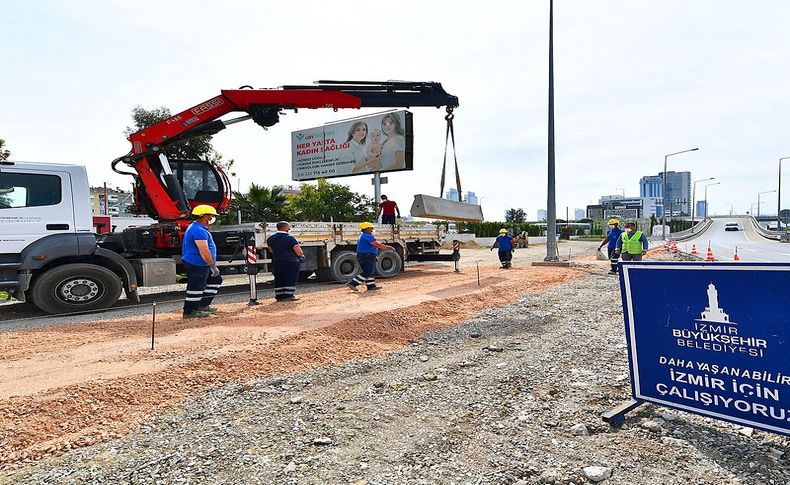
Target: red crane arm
158	191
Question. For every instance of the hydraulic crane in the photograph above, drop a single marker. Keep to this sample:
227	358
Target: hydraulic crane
159	191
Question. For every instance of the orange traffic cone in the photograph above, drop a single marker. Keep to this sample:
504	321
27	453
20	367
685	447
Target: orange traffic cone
736	257
694	250
709	256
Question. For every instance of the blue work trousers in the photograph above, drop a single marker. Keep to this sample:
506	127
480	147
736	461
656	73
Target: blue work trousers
367	261
286	274
201	287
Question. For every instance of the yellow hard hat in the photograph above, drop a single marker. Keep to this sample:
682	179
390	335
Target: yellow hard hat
614	221
203	209
365	225
503	231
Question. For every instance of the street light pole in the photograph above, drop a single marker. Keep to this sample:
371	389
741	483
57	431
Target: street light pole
551	203
694	201
664	192
779	195
706	197
758	201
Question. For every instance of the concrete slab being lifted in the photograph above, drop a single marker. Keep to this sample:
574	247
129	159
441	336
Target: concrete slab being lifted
451	210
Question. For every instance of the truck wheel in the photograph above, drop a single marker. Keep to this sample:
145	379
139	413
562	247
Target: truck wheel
345	266
324	274
388	264
76	287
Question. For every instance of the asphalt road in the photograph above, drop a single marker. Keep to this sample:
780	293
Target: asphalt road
751	246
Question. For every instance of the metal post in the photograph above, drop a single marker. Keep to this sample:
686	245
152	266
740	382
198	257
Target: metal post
252	267
551	207
106	202
153	323
664	192
694	201
758	201
779	195
239	216
664	201
706	197
377	187
456	253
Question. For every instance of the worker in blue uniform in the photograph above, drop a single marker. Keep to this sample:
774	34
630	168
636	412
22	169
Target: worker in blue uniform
287	255
505	244
610	241
199	256
367	249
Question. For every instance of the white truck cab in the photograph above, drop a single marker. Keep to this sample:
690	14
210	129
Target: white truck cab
48	251
38	200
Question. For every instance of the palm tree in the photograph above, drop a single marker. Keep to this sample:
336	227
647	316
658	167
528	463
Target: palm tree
259	204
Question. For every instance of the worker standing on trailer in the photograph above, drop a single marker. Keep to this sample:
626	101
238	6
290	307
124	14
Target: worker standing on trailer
388	210
199	255
505	244
610	241
367	248
632	243
287	255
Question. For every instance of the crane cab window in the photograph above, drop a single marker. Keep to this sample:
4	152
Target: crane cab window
28	190
199	180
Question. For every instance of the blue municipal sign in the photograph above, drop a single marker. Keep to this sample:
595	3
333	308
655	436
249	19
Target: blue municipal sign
711	338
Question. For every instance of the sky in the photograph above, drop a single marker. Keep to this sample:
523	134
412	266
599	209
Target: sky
634	81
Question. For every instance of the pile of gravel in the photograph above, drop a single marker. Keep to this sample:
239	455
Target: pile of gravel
512	396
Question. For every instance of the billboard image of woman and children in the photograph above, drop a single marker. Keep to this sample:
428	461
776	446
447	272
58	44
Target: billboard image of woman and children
378	143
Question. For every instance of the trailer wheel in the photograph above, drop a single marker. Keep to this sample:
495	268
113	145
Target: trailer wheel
345	266
76	287
324	275
388	264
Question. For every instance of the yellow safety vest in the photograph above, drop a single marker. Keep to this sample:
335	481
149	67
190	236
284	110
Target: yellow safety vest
632	245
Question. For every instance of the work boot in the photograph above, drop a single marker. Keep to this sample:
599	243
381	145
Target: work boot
289	298
370	288
196	314
353	287
207	309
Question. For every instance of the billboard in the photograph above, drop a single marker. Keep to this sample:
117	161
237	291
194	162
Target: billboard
378	143
711	338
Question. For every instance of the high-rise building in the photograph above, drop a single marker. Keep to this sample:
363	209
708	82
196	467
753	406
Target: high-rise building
471	198
650	186
702	208
543	214
677	200
578	214
452	194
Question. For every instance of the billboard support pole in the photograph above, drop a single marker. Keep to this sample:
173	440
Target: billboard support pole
377	187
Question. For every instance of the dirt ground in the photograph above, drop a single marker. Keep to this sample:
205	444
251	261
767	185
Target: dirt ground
74	385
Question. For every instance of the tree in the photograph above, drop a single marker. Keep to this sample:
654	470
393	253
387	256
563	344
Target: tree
327	201
5	154
515	215
259	204
198	147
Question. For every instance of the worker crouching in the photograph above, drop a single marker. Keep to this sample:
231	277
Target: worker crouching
287	255
367	249
199	256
